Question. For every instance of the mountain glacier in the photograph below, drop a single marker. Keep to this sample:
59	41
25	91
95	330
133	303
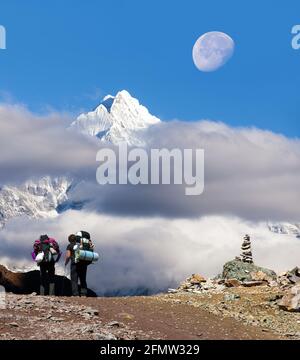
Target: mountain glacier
34	199
285	229
118	118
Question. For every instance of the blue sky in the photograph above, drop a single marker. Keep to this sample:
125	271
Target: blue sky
67	54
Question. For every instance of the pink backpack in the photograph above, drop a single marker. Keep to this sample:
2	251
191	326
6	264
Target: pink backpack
46	245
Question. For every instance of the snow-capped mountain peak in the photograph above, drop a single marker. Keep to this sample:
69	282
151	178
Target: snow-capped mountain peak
117	119
34	199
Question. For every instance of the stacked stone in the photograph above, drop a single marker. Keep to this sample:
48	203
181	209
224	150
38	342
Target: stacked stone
246	255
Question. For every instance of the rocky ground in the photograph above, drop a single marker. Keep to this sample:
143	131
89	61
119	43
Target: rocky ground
52	318
237	313
244	302
255	306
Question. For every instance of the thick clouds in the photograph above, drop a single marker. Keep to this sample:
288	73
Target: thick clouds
33	146
152	253
250	173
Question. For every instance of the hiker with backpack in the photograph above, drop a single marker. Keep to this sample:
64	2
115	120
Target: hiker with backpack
46	253
80	252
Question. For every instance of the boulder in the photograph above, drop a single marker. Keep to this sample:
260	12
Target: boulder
239	270
294	275
289	278
291	301
198	284
295	271
294	279
261	276
197	279
232	283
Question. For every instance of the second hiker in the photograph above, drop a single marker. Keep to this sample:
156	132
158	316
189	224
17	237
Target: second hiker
80	252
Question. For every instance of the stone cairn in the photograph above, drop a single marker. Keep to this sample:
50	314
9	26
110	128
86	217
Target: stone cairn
246	255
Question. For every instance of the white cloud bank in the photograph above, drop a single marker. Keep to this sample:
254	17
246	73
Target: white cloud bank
250	173
33	146
152	253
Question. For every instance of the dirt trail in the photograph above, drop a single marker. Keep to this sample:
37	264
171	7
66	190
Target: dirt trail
164	320
153	317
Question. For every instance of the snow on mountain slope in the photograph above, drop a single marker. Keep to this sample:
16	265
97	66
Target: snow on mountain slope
285	229
117	119
35	199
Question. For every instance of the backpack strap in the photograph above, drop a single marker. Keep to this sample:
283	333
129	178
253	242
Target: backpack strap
55	246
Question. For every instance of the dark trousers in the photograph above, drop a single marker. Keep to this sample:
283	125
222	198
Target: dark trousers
47	277
78	271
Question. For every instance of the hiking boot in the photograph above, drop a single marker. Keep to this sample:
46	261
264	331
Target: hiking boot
83	292
42	290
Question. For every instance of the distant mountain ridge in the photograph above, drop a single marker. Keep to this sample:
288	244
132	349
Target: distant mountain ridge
285	229
34	199
117	119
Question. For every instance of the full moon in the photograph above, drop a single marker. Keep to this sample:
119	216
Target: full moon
212	50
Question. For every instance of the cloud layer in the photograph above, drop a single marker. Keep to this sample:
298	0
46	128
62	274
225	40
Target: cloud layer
249	172
34	146
152	253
